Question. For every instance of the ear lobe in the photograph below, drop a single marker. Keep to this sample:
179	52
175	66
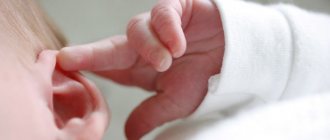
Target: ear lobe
79	109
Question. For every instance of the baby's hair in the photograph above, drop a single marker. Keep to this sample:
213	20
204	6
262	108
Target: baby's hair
28	28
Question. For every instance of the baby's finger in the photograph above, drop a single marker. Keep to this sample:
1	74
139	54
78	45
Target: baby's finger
152	113
167	20
107	54
142	38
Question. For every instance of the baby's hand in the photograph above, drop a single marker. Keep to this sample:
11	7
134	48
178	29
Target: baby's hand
172	50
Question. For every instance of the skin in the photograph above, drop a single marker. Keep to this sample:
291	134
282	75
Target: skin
33	96
172	50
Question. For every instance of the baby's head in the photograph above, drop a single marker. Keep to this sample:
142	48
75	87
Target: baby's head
38	100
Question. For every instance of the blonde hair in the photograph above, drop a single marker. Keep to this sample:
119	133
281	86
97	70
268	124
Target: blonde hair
28	27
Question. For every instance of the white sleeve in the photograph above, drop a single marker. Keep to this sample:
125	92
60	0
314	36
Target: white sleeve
306	118
271	53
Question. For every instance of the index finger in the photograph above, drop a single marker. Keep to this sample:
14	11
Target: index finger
108	54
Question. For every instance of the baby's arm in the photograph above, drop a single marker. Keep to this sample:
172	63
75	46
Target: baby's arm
272	53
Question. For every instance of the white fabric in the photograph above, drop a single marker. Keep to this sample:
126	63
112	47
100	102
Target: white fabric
276	56
298	119
307	118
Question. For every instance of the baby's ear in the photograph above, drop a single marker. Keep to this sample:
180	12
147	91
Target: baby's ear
79	109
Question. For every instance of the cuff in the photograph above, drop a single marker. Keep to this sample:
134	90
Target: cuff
257	59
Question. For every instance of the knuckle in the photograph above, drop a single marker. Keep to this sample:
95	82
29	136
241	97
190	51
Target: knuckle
132	25
159	9
133	33
135	22
161	13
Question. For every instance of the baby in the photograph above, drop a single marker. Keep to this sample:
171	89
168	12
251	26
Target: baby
38	99
218	57
203	58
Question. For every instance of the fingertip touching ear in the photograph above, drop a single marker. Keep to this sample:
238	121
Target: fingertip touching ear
79	110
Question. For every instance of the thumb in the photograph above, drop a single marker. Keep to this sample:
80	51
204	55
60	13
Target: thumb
152	113
108	54
175	99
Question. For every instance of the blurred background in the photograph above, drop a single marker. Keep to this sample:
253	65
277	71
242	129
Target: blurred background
84	21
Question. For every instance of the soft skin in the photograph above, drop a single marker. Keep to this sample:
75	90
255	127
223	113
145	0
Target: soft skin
34	101
38	99
172	50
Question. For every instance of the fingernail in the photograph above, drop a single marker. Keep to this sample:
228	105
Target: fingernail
159	60
175	50
162	65
176	54
156	57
